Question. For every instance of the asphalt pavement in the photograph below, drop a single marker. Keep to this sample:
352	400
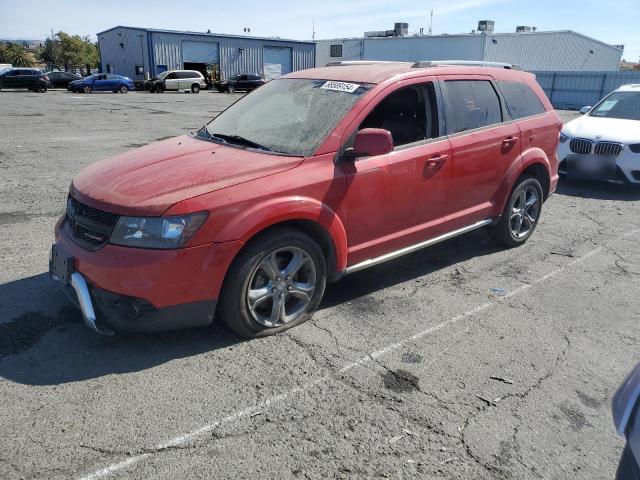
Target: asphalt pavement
464	360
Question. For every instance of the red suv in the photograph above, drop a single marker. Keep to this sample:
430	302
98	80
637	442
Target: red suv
316	175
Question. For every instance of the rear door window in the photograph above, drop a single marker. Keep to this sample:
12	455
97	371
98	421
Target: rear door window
520	99
470	104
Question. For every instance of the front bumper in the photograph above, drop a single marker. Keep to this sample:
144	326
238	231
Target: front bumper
131	289
627	164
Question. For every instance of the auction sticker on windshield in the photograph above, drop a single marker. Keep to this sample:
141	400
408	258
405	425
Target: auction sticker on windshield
340	86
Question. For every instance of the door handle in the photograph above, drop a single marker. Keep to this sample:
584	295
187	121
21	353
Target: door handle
507	142
436	161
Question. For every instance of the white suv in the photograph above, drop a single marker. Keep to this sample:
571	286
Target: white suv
604	144
177	80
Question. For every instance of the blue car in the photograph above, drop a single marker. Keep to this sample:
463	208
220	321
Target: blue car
102	82
626	417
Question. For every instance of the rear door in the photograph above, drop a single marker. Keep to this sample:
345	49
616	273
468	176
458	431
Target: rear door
396	200
484	144
10	79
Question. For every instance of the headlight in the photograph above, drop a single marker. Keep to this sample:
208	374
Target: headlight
635	148
156	232
563	137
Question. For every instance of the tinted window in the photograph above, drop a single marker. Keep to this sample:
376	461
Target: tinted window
336	51
470	104
520	99
192	75
410	115
254	77
172	76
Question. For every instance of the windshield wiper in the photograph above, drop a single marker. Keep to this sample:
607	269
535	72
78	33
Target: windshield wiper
238	140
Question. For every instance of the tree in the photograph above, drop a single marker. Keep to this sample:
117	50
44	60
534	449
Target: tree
16	55
69	50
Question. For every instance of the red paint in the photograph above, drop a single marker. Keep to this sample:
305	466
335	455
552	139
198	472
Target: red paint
368	207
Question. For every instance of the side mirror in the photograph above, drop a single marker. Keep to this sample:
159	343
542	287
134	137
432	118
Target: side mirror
584	110
370	142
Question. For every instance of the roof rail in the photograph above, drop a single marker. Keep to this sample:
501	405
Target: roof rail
468	63
345	63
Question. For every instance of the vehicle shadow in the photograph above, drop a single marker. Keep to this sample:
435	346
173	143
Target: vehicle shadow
599	190
409	267
45	341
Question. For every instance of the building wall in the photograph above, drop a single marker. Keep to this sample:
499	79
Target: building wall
412	49
352	49
236	54
540	51
123	59
551	51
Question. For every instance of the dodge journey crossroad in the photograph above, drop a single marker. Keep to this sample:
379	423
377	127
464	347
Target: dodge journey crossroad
316	175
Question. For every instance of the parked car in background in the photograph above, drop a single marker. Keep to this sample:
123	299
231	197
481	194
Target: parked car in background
316	175
62	79
102	82
176	80
626	417
244	82
604	143
29	78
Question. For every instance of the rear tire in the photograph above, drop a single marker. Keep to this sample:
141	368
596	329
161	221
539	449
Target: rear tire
86	89
123	89
41	88
195	88
276	282
521	213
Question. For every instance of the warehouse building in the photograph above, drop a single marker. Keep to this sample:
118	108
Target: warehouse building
530	49
140	52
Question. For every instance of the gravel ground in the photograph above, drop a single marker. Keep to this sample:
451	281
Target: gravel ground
460	361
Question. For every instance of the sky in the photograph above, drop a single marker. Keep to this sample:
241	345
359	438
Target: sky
614	21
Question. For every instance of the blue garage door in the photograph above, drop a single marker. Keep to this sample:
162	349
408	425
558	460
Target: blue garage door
200	52
277	61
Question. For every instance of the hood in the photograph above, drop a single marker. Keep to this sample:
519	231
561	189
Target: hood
150	179
609	129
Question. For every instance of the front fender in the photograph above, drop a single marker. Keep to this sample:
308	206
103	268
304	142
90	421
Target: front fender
271	212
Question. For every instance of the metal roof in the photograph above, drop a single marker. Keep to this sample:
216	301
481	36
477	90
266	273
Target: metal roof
215	35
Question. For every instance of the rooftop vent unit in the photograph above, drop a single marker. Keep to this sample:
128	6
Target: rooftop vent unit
401	29
523	29
486	26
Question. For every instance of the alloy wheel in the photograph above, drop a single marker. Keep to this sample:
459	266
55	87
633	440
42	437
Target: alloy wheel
524	212
281	286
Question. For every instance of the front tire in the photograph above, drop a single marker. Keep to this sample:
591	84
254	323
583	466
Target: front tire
160	88
275	283
521	213
231	89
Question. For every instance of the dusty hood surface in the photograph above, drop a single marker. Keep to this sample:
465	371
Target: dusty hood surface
609	129
150	179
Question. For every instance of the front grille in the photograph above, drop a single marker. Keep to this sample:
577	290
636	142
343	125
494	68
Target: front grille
607	148
587	147
89	227
578	145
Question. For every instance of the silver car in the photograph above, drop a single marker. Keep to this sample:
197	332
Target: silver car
178	81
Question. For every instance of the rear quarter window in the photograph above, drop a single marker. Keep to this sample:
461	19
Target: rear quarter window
470	104
520	99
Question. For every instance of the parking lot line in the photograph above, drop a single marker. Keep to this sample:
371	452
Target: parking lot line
248	411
